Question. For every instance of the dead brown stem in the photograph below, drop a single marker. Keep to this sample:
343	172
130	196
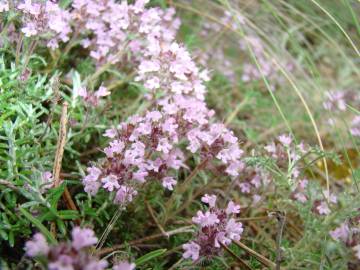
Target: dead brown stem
152	214
186	229
8	185
263	260
60	145
237	258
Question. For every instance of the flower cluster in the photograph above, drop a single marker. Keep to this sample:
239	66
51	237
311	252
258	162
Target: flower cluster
71	255
286	154
251	182
322	206
4	6
148	146
66	255
113	27
349	233
92	98
217	227
355	126
45	19
287	157
336	100
267	67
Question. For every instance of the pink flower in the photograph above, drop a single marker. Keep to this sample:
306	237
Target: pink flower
209	199
125	194
140	175
191	250
332	198
355	126
303	183
285	140
232	208
37	246
164	146
4	6
102	92
110	133
341	233
152	83
96	265
222	238
207	219
91	180
271	148
301	197
234	229
63	262
28	7
110	182
168	182
46	181
94	172
67	255
83	238
216	227
117	146
124	265
81	91
245	187
234	168
149	66
231	154
29	30
323	208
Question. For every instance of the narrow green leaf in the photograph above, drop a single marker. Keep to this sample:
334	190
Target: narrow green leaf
55	195
149	256
68	214
38	225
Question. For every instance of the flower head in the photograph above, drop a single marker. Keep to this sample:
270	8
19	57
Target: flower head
191	250
124	265
209	199
37	246
66	255
217	227
83	238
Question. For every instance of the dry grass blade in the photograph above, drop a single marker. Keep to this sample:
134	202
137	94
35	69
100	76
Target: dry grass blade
186	229
338	25
58	161
7	184
152	214
264	261
60	145
243	264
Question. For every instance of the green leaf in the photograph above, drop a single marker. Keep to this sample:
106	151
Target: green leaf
61	225
149	256
38	225
68	214
55	195
64	3
11	239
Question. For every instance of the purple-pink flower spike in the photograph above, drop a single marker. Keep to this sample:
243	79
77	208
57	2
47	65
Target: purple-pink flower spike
67	255
124	265
146	147
216	227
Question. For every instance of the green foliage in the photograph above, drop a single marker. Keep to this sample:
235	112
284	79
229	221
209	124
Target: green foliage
34	85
